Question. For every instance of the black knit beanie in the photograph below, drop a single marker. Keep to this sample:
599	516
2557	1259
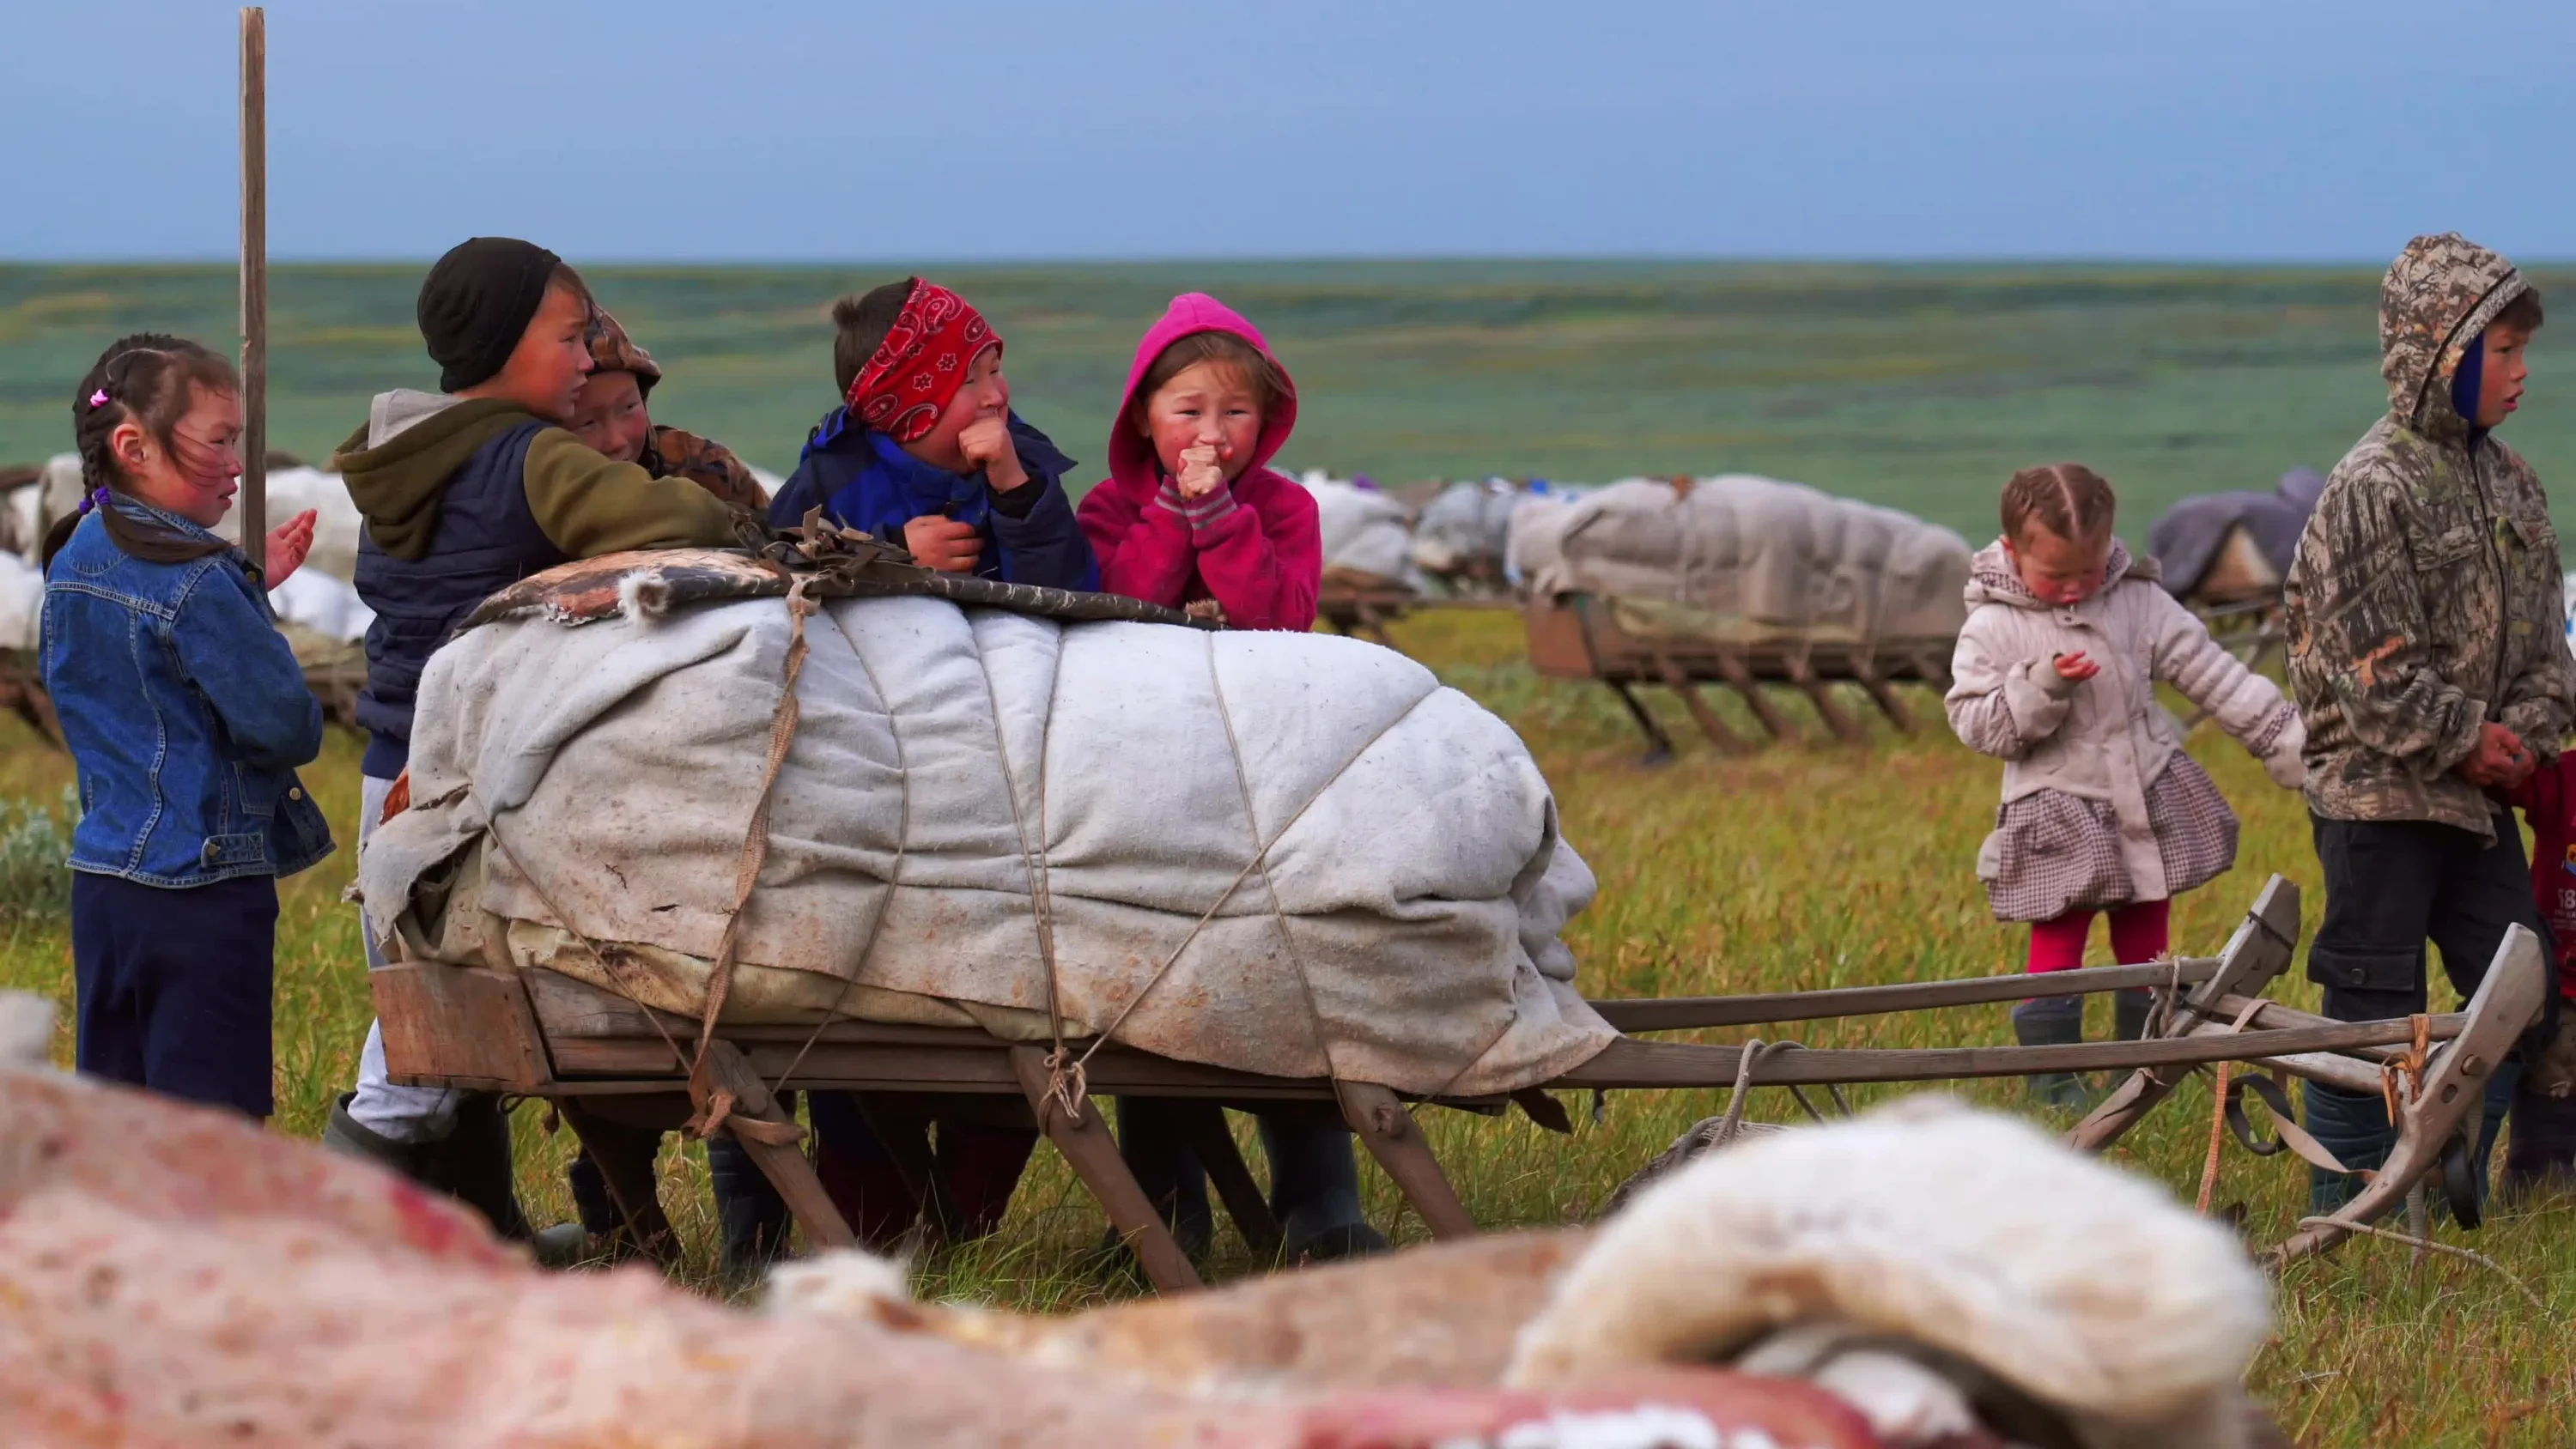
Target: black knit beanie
476	304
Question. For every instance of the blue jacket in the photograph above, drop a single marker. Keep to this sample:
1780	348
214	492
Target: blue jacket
185	711
864	480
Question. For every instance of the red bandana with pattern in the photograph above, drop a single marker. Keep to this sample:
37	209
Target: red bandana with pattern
921	364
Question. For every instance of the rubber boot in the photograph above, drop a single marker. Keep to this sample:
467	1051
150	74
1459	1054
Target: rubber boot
2053	1021
2540	1156
859	1174
344	1133
752	1219
1158	1152
2354	1127
982	1166
1315	1189
477	1157
2129	1012
462	1166
590	1200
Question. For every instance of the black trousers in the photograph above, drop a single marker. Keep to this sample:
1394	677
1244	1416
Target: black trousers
173	987
2391	885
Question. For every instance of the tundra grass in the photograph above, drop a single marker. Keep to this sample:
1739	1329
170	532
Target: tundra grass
1919	387
1798	868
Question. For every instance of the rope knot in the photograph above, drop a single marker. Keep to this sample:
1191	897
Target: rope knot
1068	1086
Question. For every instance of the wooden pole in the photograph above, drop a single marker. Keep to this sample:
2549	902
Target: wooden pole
254	283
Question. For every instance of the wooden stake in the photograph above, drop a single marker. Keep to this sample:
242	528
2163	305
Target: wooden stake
254	283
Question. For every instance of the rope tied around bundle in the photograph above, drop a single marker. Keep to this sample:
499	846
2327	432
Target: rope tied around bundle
711	1103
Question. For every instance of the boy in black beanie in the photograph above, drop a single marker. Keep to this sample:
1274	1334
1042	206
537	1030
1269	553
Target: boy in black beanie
465	491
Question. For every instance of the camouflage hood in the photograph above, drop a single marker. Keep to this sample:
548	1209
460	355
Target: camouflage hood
1992	579
2439	296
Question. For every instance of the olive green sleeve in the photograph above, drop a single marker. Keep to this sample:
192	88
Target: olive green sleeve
589	505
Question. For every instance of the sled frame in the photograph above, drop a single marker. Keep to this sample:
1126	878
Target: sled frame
538	1033
1574	636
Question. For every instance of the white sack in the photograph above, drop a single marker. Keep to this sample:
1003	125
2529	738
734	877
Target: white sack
1757	557
1462	530
1416	860
59	491
22	527
1363	530
22	602
326	605
336	527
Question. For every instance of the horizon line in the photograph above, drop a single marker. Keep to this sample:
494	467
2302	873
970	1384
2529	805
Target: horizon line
1005	262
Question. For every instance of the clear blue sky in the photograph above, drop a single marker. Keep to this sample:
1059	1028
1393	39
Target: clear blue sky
798	130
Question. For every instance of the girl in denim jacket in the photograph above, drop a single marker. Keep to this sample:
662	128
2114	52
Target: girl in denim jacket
186	714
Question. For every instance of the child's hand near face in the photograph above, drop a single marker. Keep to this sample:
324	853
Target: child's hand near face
288	543
987	445
1202	470
944	544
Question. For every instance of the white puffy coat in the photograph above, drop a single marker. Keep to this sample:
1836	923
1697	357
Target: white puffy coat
2106	738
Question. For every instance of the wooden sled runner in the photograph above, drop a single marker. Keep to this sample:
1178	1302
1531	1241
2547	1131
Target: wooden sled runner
606	1059
1576	636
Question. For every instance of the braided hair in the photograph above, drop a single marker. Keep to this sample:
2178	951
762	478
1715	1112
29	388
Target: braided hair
2068	499
148	379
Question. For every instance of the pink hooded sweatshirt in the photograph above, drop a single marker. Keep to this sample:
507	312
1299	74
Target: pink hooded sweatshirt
1253	545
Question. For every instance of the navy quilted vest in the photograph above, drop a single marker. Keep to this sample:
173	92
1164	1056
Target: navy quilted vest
486	540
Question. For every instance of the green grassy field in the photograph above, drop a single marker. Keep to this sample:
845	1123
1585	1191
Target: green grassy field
1917	387
1799	868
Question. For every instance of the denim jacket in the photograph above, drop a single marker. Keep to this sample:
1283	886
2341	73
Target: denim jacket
185	711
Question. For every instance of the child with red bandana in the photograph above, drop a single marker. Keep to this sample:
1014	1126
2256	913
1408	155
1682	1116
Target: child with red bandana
925	451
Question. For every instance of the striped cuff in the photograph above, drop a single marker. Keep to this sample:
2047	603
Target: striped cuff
1202	513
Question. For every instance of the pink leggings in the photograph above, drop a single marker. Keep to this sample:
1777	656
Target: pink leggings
2137	934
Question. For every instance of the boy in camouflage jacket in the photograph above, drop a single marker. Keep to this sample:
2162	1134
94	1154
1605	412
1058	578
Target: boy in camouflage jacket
2428	658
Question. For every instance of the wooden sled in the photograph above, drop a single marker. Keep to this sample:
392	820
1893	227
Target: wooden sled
335	682
22	693
1362	605
606	1059
1575	636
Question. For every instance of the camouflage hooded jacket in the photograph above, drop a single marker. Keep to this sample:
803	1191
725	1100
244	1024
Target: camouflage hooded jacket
2425	599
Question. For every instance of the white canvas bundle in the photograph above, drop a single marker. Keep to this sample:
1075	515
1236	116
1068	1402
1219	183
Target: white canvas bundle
1755	557
326	605
337	523
1363	530
22	528
1465	526
22	602
1400	927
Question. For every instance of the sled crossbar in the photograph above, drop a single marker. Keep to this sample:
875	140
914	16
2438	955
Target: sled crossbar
1683	1013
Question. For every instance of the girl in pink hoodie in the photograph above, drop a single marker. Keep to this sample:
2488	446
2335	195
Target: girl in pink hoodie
1191	514
1192	517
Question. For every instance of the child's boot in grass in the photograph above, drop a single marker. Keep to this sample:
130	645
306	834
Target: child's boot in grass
463	1166
2540	1152
752	1217
2354	1127
2129	1012
1315	1189
2053	1021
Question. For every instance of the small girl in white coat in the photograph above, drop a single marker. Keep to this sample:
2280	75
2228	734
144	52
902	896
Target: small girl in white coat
2067	636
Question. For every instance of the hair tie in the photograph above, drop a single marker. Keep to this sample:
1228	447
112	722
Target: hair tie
98	399
96	499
